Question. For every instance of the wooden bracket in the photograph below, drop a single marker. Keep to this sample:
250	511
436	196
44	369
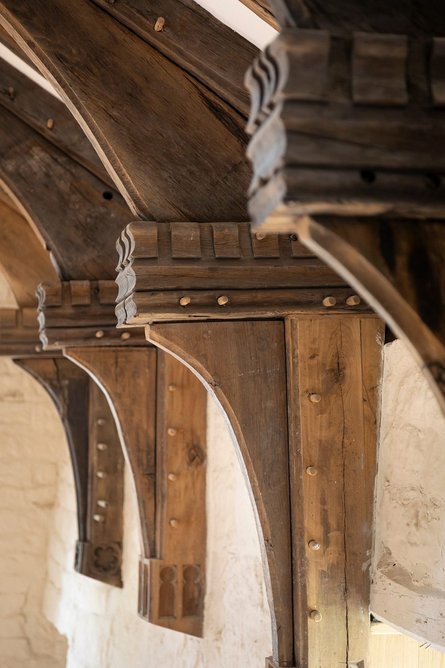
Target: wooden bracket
97	463
161	417
19	334
301	398
160	413
298	385
345	135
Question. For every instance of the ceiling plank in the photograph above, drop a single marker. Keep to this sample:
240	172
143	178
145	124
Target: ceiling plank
175	150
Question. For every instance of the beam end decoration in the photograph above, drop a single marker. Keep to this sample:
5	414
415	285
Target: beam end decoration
345	126
80	313
347	135
178	272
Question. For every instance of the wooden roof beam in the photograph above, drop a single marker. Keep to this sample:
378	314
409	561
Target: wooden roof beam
173	147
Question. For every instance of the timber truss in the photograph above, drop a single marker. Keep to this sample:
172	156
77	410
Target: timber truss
282	322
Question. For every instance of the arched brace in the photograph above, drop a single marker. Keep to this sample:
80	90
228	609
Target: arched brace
23	259
157	159
398	267
160	412
301	399
295	367
75	213
345	135
97	463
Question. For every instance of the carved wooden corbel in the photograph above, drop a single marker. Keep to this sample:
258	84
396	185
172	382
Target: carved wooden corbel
160	412
295	367
97	463
346	127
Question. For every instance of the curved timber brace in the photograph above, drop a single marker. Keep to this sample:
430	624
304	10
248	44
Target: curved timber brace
160	412
295	368
347	129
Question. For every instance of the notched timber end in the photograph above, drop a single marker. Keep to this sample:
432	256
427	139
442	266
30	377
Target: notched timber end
345	126
186	271
80	313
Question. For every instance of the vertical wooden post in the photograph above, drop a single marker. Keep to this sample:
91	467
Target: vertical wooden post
333	379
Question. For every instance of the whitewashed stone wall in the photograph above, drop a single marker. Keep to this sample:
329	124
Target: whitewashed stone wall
31	441
409	555
99	625
100	622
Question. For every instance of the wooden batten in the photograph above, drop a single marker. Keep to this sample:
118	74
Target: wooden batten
97	462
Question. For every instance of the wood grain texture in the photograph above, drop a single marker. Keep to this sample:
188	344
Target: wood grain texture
411	17
262	9
128	379
337	361
193	39
76	214
177	601
230	358
39	109
81	313
398	268
19	334
191	168
87	422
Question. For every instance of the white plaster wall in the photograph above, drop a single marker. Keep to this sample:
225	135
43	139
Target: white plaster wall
31	441
101	623
409	555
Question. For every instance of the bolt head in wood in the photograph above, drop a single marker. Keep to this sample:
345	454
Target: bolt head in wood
315	398
171	477
184	301
260	236
50	123
171	431
353	300
125	336
102	503
312	471
100	422
100	334
223	300
314	545
172	388
315	615
102	446
98	518
173	523
329	301
159	25
101	474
